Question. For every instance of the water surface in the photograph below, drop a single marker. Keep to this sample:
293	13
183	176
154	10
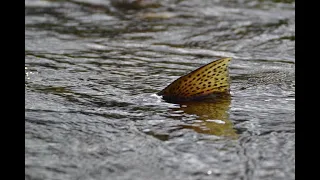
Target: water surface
92	69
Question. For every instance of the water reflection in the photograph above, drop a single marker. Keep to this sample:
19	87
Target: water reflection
212	117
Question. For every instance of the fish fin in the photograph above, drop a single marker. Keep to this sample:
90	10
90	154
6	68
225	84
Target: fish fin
208	79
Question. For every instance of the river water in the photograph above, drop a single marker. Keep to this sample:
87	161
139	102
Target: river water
93	67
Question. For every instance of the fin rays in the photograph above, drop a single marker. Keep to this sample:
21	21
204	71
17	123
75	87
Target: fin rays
206	80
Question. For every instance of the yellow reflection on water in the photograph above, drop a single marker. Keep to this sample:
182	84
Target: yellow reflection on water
212	117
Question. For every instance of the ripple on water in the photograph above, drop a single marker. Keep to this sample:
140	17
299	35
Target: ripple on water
93	67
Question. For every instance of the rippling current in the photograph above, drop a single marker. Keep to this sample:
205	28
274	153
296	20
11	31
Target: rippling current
92	68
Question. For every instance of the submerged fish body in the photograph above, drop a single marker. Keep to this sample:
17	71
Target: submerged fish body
206	82
212	117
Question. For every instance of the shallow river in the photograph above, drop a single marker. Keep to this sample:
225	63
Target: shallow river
92	68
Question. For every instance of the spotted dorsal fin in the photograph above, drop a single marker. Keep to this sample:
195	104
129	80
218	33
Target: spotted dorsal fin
208	79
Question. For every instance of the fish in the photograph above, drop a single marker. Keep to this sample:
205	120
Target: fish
209	81
211	117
